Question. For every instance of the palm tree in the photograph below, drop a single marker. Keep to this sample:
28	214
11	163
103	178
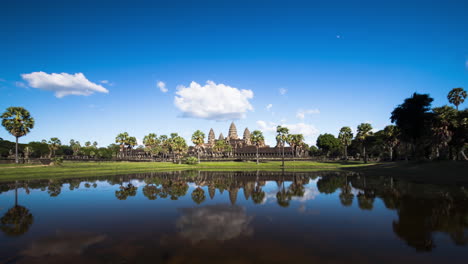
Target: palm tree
281	137
18	122
75	147
95	144
295	141
177	145
457	96
122	139
27	151
17	220
152	143
345	136
391	135
54	144
198	195
87	144
198	138
257	139
363	131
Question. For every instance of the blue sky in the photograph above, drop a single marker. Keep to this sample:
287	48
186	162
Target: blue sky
339	62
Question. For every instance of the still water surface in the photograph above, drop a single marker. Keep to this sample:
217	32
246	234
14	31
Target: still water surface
232	217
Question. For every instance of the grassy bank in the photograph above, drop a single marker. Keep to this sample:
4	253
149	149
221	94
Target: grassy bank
436	172
74	169
444	172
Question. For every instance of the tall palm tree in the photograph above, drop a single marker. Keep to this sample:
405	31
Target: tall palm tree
18	122
198	138
295	141
457	96
54	145
391	135
257	139
345	136
152	143
122	139
363	131
76	147
281	137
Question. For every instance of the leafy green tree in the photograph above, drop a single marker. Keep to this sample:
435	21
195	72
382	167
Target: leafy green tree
364	130
18	122
328	143
54	145
257	139
87	144
198	138
345	136
95	144
457	96
313	150
222	147
282	134
412	118
391	138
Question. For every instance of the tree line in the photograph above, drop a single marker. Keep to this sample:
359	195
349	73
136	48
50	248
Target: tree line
418	132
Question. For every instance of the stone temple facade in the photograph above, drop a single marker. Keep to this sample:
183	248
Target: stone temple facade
232	138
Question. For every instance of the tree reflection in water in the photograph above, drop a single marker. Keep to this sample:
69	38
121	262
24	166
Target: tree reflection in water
17	220
422	209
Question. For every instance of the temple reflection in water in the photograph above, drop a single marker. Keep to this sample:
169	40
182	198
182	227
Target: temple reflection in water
422	210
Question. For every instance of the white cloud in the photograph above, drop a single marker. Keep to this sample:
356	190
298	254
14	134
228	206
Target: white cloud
63	84
268	107
104	81
162	86
302	113
20	84
213	101
283	91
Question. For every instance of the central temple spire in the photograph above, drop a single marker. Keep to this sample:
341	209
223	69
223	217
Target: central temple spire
232	131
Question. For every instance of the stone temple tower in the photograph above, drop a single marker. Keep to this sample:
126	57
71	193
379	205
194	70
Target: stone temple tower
211	138
247	137
221	137
232	131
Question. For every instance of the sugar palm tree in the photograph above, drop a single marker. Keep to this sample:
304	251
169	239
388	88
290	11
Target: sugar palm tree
27	151
198	138
257	139
295	141
122	139
152	143
281	137
76	147
54	145
391	137
457	96
363	131
18	122
345	136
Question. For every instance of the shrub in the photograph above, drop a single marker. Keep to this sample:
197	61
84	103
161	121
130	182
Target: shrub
191	160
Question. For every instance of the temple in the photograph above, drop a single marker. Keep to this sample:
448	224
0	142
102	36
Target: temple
232	139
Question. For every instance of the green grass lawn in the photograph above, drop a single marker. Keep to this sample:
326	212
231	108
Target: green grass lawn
447	172
74	169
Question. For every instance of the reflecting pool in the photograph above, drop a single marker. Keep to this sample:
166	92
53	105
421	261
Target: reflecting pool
232	217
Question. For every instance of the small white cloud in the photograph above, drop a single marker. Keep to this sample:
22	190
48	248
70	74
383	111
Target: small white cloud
268	107
213	101
302	113
63	84
20	84
283	91
162	86
266	126
105	81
